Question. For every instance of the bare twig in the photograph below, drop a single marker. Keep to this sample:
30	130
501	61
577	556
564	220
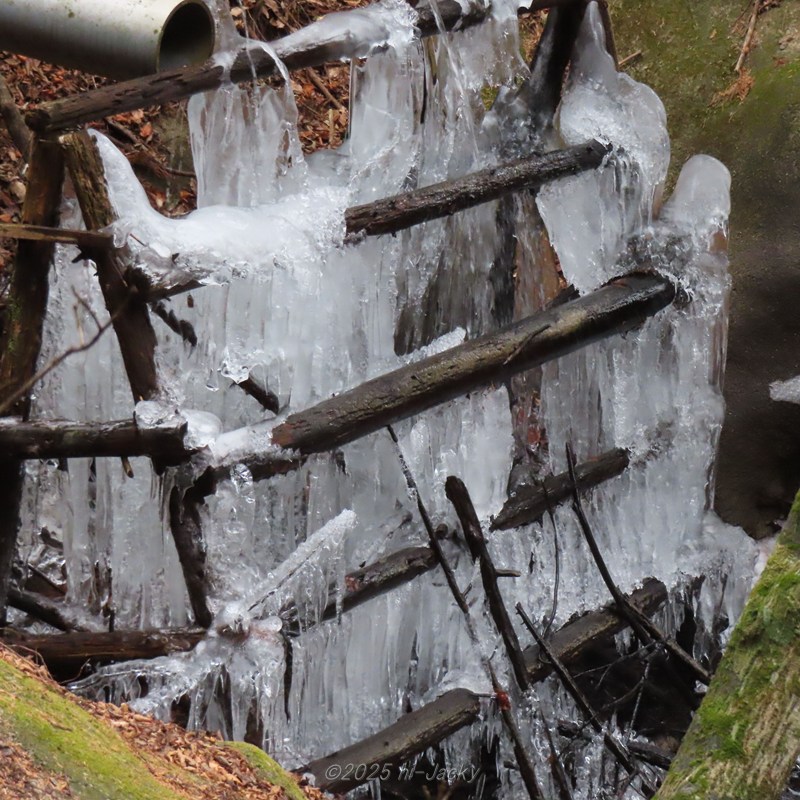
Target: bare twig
644	628
618	750
20	392
525	766
748	38
458	495
320	84
264	397
635	56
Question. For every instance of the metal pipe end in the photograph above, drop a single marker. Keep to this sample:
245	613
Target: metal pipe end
188	36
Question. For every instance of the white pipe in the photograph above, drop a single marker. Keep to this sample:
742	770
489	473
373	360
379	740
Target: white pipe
115	38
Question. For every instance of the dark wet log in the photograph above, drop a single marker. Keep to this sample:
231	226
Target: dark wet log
41	233
378	578
20	133
620	306
41	608
26	304
69	652
455	709
119	439
137	340
393	214
530	502
458	495
296	52
187	532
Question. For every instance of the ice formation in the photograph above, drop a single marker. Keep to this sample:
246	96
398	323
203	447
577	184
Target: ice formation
287	301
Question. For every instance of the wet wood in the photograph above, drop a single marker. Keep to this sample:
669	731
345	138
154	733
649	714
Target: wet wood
620	306
458	495
248	65
393	214
118	439
530	502
26	305
41	608
427	726
69	652
41	233
137	340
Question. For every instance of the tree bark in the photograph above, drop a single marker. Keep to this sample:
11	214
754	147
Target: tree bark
119	439
396	213
620	306
22	332
137	340
427	726
530	502
745	737
249	65
15	123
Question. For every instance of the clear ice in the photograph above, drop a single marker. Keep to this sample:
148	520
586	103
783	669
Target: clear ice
285	300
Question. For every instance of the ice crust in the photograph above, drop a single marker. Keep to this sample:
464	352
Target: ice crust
288	303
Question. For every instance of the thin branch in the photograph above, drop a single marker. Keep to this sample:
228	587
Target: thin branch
20	133
645	629
748	38
525	766
618	750
22	390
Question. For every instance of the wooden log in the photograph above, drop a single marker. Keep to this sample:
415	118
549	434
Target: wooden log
41	233
118	439
19	132
22	331
41	608
64	653
69	652
530	502
745	738
393	214
619	306
250	63
427	726
378	578
137	340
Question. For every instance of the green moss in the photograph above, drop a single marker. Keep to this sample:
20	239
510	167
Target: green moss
63	738
268	769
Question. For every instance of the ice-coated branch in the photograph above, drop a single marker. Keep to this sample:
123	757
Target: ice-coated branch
41	608
617	307
458	495
427	726
63	653
393	214
118	439
530	502
137	340
297	51
26	306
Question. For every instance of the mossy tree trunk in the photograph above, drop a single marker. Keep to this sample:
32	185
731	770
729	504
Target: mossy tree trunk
745	737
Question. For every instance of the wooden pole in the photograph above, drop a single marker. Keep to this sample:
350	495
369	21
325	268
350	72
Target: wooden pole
22	331
250	64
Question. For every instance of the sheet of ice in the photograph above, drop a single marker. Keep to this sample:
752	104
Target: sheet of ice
309	317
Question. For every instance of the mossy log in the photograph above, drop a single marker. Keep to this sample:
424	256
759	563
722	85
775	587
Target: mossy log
745	737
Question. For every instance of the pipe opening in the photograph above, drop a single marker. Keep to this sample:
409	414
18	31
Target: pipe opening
188	37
